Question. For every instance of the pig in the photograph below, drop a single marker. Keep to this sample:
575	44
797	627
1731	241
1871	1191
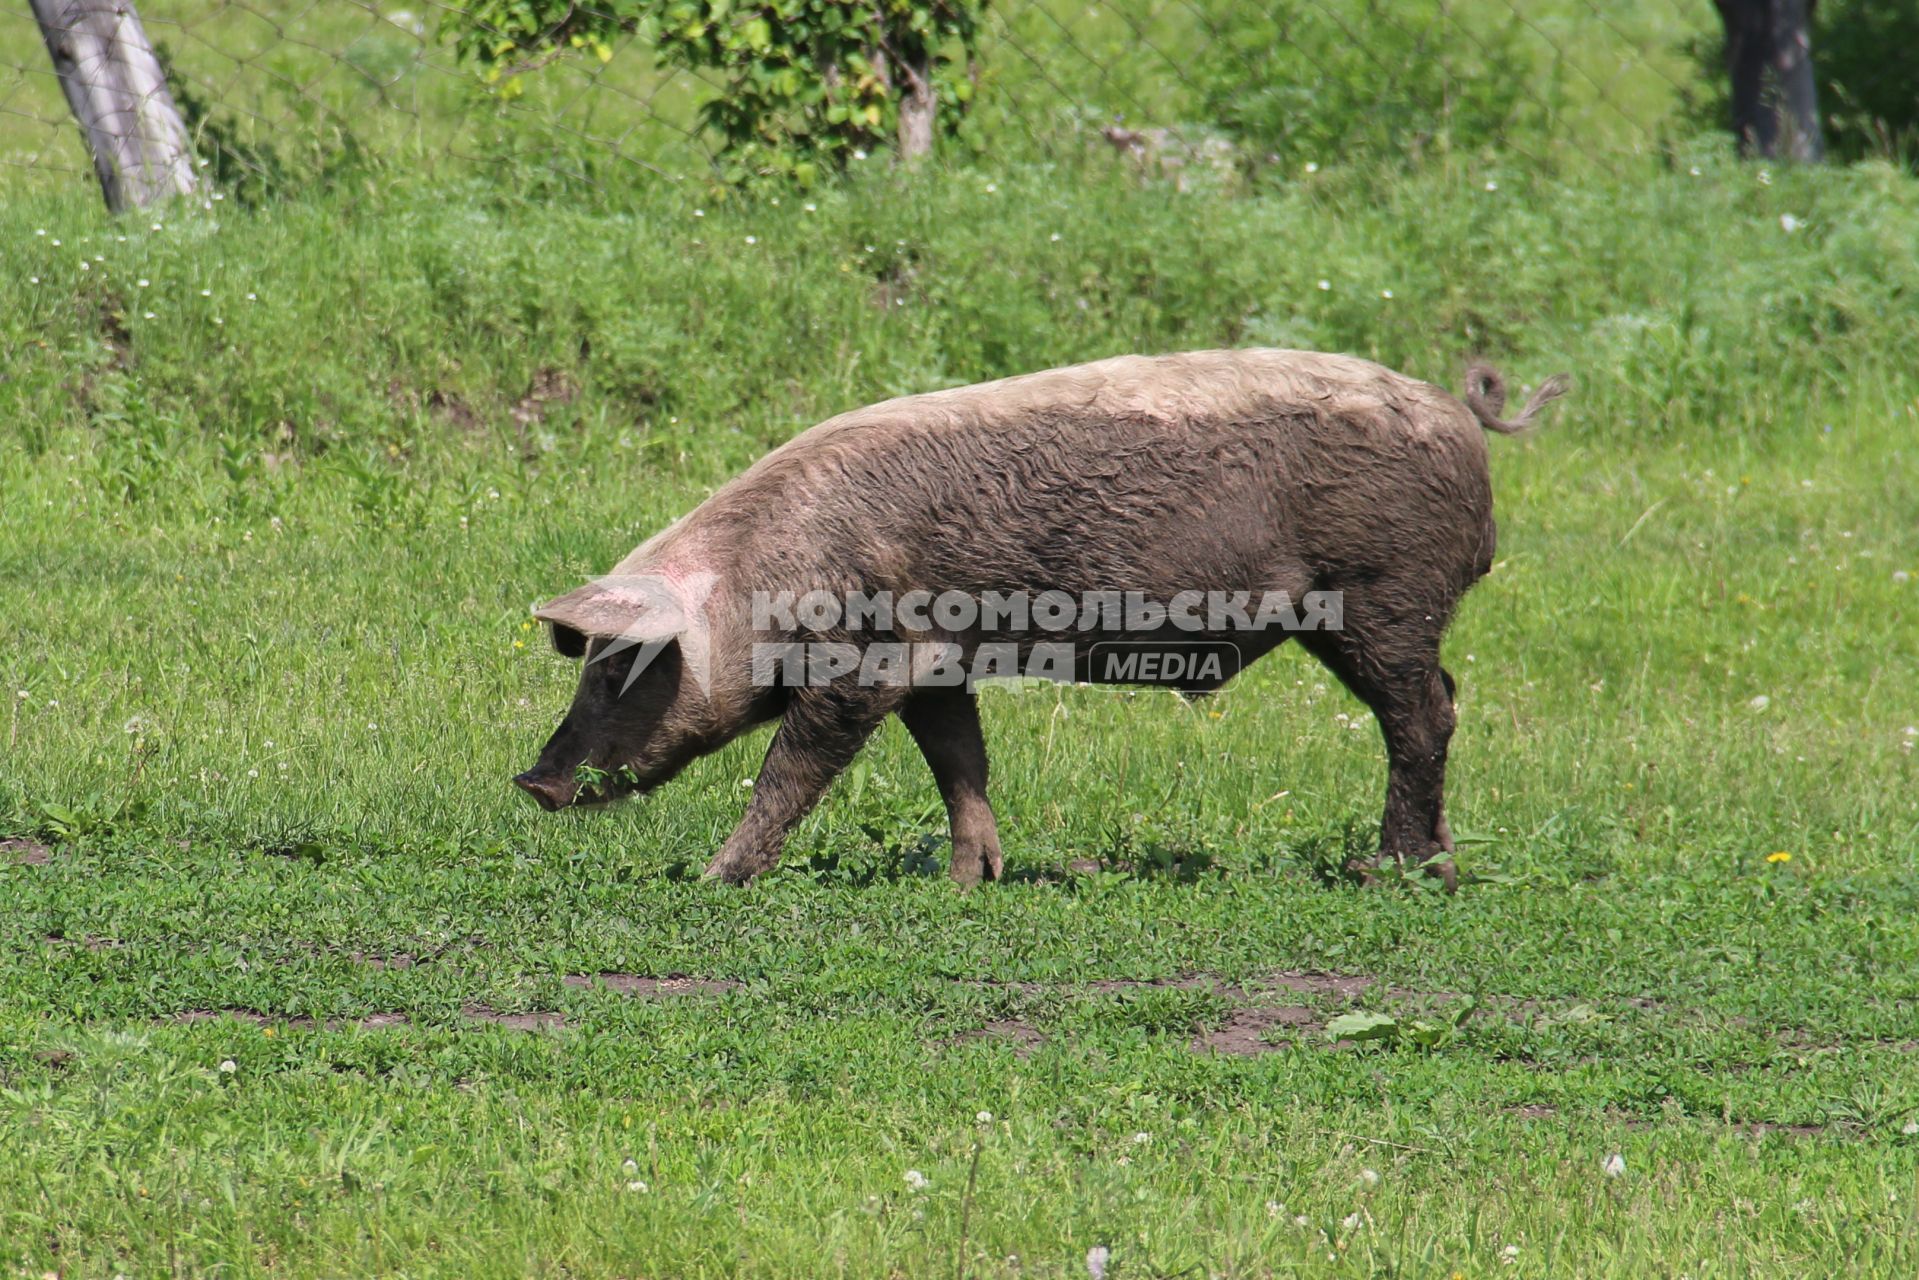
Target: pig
1236	474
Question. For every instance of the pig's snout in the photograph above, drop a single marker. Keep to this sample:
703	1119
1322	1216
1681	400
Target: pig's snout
552	791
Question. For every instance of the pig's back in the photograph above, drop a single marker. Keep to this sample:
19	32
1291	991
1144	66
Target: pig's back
1214	468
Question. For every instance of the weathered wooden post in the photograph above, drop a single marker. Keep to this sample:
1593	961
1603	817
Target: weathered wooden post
119	95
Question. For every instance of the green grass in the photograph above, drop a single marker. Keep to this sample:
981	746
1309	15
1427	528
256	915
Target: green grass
268	561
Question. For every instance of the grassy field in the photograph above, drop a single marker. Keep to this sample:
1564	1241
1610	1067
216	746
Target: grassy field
293	983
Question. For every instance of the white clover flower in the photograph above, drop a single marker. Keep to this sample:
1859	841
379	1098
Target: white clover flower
638	1187
1910	1128
1351	1222
1141	1138
1614	1166
1788	223
917	1181
1369	1176
1274	1208
1312	166
1096	1259
1491	185
699	213
142	282
1760	703
228	1067
984	1117
1510	1251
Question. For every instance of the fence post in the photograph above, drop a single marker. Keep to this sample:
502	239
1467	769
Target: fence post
119	95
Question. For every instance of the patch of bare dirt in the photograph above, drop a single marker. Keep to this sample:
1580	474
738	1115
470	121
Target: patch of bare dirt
1244	1033
1024	1037
370	1022
1348	986
89	941
535	1020
26	851
550	386
1534	1111
444	405
1760	1128
1806	1042
635	984
374	960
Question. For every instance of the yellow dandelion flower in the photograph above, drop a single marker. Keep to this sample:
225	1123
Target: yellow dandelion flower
1780	856
519	644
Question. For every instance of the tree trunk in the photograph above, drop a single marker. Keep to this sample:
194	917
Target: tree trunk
918	110
119	95
1775	104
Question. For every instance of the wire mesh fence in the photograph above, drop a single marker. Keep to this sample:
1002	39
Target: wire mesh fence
279	95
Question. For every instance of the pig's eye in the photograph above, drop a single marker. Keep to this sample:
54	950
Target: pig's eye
617	667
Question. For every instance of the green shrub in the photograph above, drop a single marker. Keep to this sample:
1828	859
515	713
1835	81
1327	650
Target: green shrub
1299	82
805	84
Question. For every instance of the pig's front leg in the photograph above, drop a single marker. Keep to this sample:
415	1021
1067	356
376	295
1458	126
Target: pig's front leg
945	724
819	736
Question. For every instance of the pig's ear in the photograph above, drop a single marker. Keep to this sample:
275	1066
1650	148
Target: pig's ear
603	610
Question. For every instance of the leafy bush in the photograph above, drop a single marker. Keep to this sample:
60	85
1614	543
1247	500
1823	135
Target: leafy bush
805	83
1868	97
1299	82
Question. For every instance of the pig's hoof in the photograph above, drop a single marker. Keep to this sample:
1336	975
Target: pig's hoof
1386	869
730	871
970	866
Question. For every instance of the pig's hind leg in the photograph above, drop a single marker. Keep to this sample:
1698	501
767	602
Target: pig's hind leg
822	731
1390	660
945	724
